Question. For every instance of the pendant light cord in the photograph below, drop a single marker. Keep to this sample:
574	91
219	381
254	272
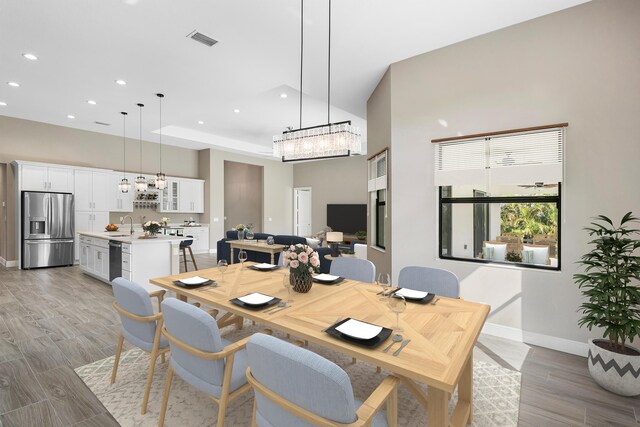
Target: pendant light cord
329	71
160	96
124	145
301	54
140	105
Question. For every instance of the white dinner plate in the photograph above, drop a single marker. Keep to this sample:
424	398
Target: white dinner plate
360	330
326	277
195	280
264	266
411	293
255	298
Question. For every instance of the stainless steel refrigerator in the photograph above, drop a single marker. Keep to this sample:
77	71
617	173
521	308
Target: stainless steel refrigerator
47	229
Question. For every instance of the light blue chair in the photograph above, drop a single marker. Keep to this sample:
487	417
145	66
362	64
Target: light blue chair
435	280
295	387
353	268
140	327
201	357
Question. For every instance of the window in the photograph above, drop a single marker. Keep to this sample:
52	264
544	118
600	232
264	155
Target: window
377	186
500	197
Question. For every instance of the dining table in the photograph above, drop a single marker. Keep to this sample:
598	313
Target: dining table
442	335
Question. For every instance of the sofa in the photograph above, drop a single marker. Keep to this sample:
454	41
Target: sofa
224	250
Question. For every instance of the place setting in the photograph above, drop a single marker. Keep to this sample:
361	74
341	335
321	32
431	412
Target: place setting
195	282
255	301
264	267
327	279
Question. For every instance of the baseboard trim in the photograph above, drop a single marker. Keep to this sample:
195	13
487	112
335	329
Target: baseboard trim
8	264
213	251
3	262
542	340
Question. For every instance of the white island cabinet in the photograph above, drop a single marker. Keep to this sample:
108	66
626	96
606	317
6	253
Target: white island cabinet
141	259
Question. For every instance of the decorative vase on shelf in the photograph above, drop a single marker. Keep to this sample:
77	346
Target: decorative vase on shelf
300	282
241	234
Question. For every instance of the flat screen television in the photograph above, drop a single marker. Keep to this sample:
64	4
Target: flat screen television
347	218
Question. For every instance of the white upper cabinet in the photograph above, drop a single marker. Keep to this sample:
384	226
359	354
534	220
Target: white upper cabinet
44	178
170	197
92	190
191	196
119	201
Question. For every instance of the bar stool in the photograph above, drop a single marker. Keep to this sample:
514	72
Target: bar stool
184	245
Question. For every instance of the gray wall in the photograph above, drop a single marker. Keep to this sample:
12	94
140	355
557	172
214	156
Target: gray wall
580	65
243	187
3	210
340	180
35	141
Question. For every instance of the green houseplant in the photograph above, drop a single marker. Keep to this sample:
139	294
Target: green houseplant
361	235
610	283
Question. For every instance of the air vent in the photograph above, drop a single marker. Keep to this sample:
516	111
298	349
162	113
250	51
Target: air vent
199	37
102	123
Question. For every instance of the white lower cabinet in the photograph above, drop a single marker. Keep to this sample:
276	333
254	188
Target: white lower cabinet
88	222
94	257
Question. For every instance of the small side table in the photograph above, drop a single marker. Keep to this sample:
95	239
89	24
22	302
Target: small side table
328	257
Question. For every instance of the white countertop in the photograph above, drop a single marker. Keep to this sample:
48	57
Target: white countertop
133	239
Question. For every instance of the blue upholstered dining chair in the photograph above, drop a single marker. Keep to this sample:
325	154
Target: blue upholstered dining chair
353	268
295	387
140	327
201	357
427	279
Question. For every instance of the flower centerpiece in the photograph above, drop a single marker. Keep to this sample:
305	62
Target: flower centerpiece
240	228
165	221
151	228
302	261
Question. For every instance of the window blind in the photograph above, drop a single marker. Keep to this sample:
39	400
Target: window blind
518	158
378	172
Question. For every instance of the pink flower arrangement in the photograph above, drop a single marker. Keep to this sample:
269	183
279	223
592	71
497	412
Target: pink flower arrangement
301	259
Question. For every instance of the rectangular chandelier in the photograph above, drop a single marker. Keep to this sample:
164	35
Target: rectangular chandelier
318	142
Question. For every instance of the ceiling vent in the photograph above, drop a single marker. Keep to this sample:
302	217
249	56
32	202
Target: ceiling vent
199	37
102	123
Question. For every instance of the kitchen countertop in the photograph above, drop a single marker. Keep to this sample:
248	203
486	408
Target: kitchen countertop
117	236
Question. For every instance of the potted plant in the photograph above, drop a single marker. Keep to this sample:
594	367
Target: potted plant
361	235
610	283
302	261
151	228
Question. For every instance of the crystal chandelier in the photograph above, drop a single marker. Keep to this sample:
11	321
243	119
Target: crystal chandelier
317	142
141	181
161	179
124	185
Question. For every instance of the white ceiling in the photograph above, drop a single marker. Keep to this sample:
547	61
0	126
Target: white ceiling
85	45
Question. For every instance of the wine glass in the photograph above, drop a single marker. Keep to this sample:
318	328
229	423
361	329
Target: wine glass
286	282
398	305
222	266
384	281
242	256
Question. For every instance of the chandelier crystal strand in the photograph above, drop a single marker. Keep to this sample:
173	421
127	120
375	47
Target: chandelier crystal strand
141	181
161	179
124	185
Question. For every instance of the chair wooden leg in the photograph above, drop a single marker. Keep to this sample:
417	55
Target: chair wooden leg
117	359
165	396
353	360
193	259
392	408
253	418
184	257
224	394
378	369
239	322
162	358
147	390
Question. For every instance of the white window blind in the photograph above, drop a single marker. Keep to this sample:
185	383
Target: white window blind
378	172
518	158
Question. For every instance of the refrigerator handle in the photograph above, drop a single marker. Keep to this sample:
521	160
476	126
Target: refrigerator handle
49	205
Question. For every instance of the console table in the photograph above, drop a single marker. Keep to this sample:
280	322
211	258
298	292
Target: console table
254	245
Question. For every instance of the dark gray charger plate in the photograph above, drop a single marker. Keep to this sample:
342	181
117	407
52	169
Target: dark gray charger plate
371	343
253	267
242	304
185	285
425	300
329	282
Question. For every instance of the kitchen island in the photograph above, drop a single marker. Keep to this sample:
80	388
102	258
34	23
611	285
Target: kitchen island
107	255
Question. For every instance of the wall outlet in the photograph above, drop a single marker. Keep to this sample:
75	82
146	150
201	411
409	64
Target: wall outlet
465	246
121	218
215	219
270	219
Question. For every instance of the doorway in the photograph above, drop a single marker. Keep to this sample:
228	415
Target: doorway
302	211
243	192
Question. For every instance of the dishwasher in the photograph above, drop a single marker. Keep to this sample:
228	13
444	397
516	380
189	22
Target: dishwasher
115	259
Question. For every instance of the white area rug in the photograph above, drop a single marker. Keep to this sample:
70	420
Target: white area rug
496	392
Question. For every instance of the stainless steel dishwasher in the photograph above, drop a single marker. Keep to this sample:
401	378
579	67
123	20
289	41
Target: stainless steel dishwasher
115	259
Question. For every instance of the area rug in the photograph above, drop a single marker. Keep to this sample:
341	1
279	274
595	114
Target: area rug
496	392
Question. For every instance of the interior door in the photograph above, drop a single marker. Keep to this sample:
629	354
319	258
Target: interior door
302	211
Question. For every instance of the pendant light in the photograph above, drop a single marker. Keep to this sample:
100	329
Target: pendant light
124	185
141	181
161	179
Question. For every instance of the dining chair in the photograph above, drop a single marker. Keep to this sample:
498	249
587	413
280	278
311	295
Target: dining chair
201	357
353	268
140	327
184	245
435	280
296	387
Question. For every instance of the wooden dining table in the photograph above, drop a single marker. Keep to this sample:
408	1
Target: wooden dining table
442	335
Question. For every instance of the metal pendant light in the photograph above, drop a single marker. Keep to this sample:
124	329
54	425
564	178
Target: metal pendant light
141	181
161	179
124	185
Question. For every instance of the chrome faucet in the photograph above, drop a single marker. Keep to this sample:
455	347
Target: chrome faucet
130	219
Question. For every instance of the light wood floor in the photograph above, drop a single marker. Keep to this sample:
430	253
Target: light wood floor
53	320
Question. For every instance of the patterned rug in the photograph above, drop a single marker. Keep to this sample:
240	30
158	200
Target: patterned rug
496	392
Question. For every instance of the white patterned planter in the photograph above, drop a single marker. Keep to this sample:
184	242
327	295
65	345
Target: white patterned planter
615	372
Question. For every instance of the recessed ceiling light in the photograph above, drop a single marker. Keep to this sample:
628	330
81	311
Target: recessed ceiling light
236	111
283	95
71	116
30	56
121	82
13	84
91	102
200	122
3	104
